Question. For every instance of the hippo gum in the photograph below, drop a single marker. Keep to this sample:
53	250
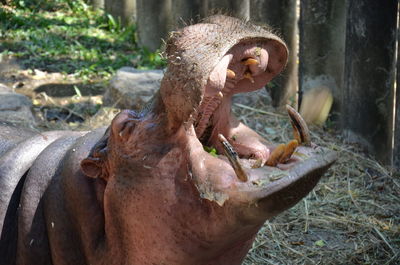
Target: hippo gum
144	191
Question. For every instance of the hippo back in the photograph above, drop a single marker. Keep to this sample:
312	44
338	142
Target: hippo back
10	136
19	148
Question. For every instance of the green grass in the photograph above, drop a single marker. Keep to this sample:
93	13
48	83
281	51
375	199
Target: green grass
70	37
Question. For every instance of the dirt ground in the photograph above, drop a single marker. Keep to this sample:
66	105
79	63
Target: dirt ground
351	217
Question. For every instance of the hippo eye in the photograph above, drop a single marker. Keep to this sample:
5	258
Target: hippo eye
124	124
127	129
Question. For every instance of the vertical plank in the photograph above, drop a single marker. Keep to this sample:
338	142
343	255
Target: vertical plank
396	147
281	16
154	21
97	3
322	43
369	70
124	10
236	8
185	12
240	9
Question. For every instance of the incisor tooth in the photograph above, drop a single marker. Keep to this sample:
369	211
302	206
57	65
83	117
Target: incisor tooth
250	61
230	74
248	75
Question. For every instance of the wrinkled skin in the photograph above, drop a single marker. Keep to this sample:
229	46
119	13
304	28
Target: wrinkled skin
144	191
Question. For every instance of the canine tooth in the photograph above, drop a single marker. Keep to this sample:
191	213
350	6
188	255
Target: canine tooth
230	74
250	61
289	150
220	94
248	75
233	158
276	155
300	129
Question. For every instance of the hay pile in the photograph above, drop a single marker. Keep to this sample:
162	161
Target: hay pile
351	217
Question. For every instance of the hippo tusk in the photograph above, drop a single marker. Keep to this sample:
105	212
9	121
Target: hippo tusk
230	74
250	61
233	158
300	129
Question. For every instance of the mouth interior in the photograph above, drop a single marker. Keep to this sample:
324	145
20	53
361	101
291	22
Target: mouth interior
245	67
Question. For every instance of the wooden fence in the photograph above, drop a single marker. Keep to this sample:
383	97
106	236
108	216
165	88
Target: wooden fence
347	46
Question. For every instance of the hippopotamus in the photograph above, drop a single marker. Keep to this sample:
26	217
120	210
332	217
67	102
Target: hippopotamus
146	189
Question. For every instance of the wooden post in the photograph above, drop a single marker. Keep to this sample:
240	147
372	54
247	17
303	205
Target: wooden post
97	3
281	16
322	28
396	147
367	109
185	12
236	8
125	10
154	21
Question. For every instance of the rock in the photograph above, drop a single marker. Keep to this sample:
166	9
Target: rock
15	108
132	88
4	88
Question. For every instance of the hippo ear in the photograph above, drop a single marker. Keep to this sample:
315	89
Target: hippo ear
94	165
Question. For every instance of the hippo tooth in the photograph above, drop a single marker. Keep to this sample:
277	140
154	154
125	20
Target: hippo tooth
233	158
248	75
230	74
289	150
220	95
250	61
300	129
276	155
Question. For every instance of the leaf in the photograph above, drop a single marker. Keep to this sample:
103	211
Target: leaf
211	150
77	92
319	243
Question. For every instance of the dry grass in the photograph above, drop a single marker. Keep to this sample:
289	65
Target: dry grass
351	217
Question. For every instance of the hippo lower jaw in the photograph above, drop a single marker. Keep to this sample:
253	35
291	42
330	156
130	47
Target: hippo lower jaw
251	171
270	189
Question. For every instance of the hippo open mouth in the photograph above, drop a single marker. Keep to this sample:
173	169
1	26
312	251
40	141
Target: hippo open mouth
244	162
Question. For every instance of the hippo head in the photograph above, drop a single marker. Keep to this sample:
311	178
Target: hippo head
168	201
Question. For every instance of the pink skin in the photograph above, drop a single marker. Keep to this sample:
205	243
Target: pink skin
247	143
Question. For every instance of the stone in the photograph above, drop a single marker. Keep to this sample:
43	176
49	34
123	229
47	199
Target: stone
15	108
132	88
4	88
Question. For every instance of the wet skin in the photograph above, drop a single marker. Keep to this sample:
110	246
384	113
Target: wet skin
144	191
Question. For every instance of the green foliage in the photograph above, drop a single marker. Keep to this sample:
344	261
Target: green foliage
211	150
70	37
